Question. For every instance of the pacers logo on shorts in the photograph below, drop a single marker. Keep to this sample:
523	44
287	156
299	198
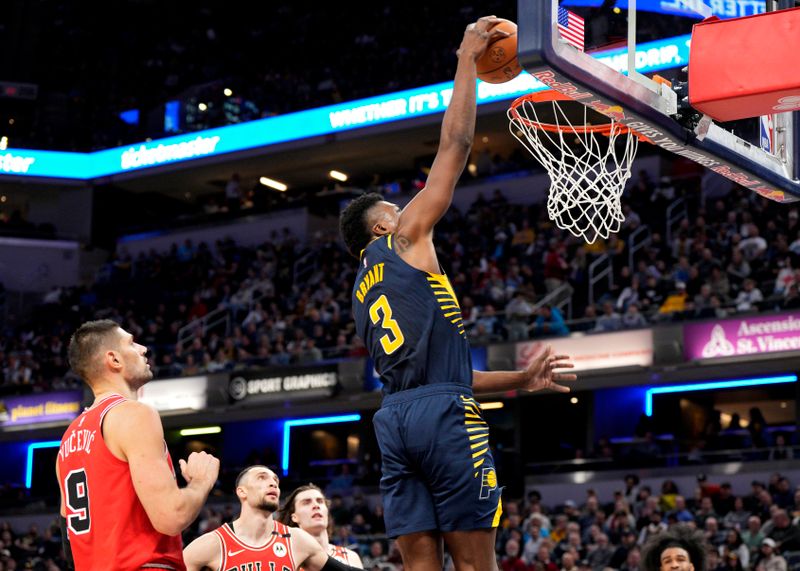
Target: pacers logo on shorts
488	483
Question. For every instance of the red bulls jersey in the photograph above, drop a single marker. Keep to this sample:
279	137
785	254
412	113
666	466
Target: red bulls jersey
275	555
107	525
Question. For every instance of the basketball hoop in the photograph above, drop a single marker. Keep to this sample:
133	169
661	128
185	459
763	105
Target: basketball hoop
587	172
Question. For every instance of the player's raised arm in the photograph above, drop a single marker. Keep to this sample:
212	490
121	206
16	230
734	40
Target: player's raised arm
458	128
134	431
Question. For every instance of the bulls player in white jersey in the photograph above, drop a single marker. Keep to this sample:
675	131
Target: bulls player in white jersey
255	541
307	508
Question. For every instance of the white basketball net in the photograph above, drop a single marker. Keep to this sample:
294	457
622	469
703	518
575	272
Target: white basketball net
588	170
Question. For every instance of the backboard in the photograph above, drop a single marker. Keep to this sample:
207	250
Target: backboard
605	78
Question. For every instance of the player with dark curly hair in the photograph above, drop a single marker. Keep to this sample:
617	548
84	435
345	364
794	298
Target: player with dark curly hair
682	548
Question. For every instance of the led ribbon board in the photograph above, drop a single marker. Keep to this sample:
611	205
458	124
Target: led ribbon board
392	107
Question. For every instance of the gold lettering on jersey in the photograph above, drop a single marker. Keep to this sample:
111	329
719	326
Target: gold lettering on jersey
374	275
78	441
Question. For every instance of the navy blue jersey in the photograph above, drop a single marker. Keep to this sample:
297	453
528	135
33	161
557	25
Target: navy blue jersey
410	322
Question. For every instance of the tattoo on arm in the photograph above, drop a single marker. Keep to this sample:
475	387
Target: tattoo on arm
402	244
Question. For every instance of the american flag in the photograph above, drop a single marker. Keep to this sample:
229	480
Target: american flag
571	27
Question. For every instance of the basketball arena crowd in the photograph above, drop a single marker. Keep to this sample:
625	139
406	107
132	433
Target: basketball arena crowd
287	301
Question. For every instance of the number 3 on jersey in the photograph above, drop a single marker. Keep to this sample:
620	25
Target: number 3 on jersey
393	340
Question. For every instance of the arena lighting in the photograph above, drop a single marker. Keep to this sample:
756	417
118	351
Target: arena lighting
289	424
199	431
29	462
273	184
492	405
737	383
227	92
407	104
340	176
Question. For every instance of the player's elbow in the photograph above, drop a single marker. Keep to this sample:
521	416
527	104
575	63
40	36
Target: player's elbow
457	141
168	526
170	522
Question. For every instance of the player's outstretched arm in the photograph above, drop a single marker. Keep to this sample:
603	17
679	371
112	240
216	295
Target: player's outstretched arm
458	129
544	372
311	555
203	553
133	430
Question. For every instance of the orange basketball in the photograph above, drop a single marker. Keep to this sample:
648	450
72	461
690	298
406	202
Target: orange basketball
499	64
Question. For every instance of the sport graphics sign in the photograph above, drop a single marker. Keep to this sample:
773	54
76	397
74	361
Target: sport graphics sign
745	336
283	384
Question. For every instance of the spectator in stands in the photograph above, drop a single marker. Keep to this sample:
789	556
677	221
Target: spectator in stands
655	526
568	562
555	265
518	314
783	496
785	534
780	451
753	536
535	537
749	296
549	322
376	556
610	320
753	246
768	559
737	517
680	513
633	561
676	301
705	512
738	269
512	560
600	557
543	560
627	543
734	544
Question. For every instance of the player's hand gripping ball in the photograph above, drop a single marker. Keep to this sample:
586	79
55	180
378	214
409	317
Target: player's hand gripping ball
499	63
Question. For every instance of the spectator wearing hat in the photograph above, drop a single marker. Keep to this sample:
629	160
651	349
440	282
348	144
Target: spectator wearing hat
676	301
628	542
769	559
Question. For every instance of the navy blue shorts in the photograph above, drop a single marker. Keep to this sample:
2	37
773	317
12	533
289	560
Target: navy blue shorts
438	471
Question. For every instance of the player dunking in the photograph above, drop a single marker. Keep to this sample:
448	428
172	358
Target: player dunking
121	507
255	541
438	478
307	508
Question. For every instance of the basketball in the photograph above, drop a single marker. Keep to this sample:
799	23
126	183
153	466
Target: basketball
499	64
